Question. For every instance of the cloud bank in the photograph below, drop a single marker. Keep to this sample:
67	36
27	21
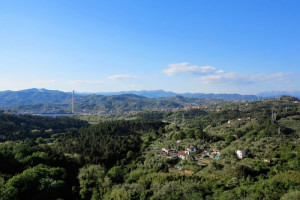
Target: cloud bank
233	78
180	68
211	75
121	77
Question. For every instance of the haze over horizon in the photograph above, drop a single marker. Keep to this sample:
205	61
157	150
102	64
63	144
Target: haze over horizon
110	46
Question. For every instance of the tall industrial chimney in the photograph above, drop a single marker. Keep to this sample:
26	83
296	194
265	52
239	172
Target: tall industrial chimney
73	102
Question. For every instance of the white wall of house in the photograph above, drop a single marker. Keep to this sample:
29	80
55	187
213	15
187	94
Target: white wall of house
240	154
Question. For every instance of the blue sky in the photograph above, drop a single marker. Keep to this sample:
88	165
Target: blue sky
182	46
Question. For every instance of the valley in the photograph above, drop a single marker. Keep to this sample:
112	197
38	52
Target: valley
221	150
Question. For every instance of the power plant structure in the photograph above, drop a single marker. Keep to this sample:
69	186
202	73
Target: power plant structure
73	102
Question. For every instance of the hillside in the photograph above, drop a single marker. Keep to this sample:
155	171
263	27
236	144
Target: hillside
116	104
33	96
53	101
162	93
224	150
42	100
16	127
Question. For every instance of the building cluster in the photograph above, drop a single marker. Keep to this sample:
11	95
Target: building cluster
199	155
192	150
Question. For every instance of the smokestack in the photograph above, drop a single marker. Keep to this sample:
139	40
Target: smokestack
73	102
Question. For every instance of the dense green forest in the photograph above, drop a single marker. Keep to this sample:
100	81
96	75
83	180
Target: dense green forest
185	154
17	127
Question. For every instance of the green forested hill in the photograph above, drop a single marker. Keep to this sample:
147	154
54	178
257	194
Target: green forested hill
137	156
33	96
118	104
53	101
14	127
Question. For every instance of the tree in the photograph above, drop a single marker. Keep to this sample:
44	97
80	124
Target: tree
229	138
116	174
39	182
93	181
118	194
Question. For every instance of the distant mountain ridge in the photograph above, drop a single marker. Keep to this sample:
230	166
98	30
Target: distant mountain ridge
115	104
145	93
221	96
44	96
162	93
32	96
276	94
36	96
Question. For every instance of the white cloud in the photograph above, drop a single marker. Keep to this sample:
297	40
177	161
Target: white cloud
121	77
211	75
217	78
220	71
180	68
44	82
233	78
90	82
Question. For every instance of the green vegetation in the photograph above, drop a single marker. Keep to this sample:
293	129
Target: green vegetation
18	127
99	104
185	154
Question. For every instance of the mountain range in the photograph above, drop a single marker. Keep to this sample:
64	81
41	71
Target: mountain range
275	94
43	100
162	93
221	96
32	96
36	96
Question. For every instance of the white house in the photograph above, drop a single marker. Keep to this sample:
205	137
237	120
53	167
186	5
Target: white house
167	150
240	154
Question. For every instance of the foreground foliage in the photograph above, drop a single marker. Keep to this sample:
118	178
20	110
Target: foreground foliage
122	159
